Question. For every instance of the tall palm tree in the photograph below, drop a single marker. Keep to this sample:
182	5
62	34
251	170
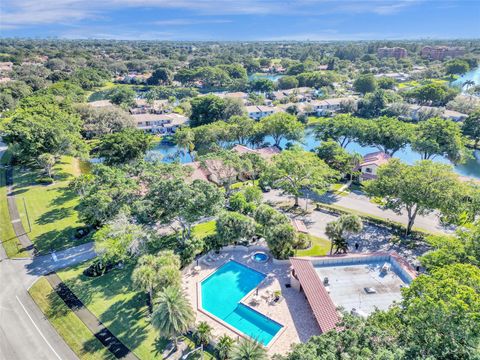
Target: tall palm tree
248	350
145	278
468	83
173	314
203	333
224	346
337	231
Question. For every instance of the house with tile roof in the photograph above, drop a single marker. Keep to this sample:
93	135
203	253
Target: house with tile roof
370	164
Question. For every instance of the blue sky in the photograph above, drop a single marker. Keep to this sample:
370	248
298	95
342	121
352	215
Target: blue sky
240	19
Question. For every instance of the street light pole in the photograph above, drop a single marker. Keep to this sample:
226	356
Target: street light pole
28	217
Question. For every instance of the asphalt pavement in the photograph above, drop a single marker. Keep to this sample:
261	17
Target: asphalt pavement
25	333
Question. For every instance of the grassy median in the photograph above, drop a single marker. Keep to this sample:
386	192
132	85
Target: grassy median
67	324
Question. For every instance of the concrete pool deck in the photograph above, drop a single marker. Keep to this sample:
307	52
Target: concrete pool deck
293	312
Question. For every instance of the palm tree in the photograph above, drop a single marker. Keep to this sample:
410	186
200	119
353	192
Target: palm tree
248	350
173	314
224	346
468	83
203	333
145	278
337	231
355	160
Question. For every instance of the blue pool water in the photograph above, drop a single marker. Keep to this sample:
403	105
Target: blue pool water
260	257
222	292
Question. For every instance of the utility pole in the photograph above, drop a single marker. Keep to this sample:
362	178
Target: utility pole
26	213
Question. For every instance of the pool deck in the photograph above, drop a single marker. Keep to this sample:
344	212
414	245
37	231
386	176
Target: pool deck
293	311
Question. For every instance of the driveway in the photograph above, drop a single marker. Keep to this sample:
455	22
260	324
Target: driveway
24	331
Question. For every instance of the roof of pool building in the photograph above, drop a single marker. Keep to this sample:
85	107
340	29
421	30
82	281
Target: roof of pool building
358	283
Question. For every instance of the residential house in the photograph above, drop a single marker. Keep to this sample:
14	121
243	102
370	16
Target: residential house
159	123
142	106
370	164
212	170
326	106
416	110
266	152
301	94
257	112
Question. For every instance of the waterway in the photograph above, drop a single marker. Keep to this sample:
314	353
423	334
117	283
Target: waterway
169	153
273	77
471	75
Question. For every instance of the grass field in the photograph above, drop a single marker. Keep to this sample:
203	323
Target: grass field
67	324
320	247
123	310
204	229
51	209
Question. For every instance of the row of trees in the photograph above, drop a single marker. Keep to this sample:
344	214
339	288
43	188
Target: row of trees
430	138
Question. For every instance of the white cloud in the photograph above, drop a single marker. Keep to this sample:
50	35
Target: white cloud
174	22
35	12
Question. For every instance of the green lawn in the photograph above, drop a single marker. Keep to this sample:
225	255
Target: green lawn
67	324
320	247
120	308
51	209
204	229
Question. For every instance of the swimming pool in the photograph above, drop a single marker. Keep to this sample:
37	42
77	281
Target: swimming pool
221	295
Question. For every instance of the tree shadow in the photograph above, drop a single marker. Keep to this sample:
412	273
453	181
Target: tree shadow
65	195
54	215
125	320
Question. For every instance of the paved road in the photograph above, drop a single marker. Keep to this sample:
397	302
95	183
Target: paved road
362	203
24	332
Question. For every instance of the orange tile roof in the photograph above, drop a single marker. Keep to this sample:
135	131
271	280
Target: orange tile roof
318	298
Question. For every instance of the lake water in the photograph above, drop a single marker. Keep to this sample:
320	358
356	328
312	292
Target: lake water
471	75
273	77
169	153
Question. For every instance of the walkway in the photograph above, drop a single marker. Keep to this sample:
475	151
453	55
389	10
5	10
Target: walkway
16	276
15	216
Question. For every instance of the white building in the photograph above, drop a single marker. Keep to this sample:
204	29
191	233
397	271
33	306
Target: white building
159	123
257	112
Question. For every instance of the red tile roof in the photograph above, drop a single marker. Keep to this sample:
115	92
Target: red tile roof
265	152
318	298
378	158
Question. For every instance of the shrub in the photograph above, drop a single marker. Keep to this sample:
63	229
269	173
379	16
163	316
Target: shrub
46	180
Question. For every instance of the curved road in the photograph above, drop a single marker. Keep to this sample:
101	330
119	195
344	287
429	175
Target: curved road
24	331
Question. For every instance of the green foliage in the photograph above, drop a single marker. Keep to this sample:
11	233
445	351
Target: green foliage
202	333
122	95
124	146
88	78
224	346
342	128
375	103
295	170
287	82
335	156
437	94
103	194
246	349
262	85
386	83
281	239
118	240
456	67
388	134
211	108
160	76
441	313
172	315
338	230
471	127
437	136
282	126
418	189
41	124
234	227
172	199
463	247
365	83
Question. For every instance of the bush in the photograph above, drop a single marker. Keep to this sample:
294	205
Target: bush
46	180
302	241
82	232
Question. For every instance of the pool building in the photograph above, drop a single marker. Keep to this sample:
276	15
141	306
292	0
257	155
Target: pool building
358	283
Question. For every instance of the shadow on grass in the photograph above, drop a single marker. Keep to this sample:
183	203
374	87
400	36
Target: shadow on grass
124	320
64	194
57	239
54	215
